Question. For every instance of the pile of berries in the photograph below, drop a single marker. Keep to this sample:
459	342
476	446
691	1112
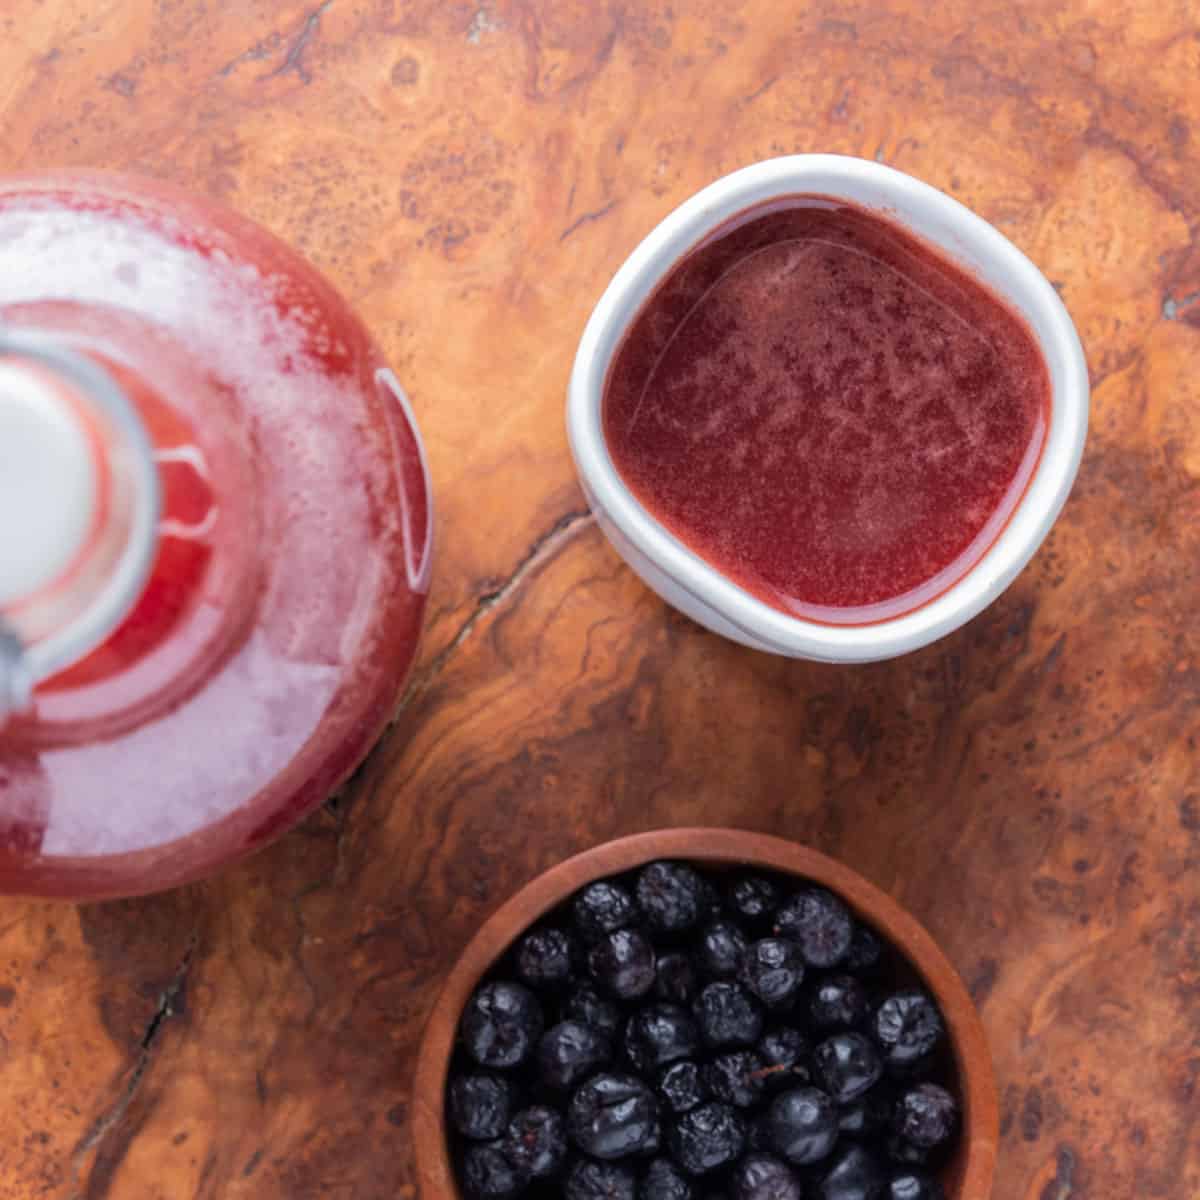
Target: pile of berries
674	1035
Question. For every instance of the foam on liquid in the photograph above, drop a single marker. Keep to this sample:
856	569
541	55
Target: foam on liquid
336	615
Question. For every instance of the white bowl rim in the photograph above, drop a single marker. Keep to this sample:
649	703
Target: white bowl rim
836	176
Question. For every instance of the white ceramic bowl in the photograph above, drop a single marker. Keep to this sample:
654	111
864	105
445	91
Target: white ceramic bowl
684	579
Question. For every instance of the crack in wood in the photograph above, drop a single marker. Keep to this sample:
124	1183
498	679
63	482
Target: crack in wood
1061	1187
294	61
294	56
171	993
587	219
544	547
260	50
111	1119
761	90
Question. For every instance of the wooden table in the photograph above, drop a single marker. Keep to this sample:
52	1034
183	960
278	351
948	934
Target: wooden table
471	174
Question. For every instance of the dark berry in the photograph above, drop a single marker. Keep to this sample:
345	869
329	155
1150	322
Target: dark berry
614	1116
672	897
736	1077
838	1002
754	900
820	923
501	1025
708	1138
682	1087
720	949
660	1034
926	1115
545	958
675	978
869	1115
847	1066
865	954
664	1181
914	1185
569	1052
480	1106
728	1015
773	970
584	1003
765	1177
855	1175
623	963
601	908
802	1125
487	1174
536	1142
786	1057
588	1180
907	1026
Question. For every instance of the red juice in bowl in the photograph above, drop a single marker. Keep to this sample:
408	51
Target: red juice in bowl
827	410
263	648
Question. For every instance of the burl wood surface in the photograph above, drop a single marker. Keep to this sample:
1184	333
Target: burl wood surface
471	174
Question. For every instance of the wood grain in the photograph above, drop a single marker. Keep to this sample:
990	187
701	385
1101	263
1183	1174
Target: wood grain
471	174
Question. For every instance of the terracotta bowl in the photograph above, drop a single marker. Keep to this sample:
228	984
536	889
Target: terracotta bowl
968	1176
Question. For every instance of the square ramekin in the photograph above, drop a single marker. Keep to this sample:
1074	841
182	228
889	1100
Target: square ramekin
695	587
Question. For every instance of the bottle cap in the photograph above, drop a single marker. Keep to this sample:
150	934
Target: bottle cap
50	480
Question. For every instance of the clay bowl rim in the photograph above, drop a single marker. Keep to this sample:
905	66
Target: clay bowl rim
971	1173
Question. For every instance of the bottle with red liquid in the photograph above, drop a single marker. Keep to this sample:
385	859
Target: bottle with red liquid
215	534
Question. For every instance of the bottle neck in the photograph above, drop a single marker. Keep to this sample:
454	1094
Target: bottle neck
79	510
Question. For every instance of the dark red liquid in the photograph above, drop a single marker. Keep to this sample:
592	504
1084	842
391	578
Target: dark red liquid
828	411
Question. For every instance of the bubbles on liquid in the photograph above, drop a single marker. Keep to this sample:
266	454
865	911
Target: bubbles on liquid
815	411
267	337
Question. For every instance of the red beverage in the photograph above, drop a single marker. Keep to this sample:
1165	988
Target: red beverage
264	651
827	410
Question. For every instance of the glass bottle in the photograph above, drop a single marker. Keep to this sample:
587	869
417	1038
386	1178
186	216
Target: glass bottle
215	535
